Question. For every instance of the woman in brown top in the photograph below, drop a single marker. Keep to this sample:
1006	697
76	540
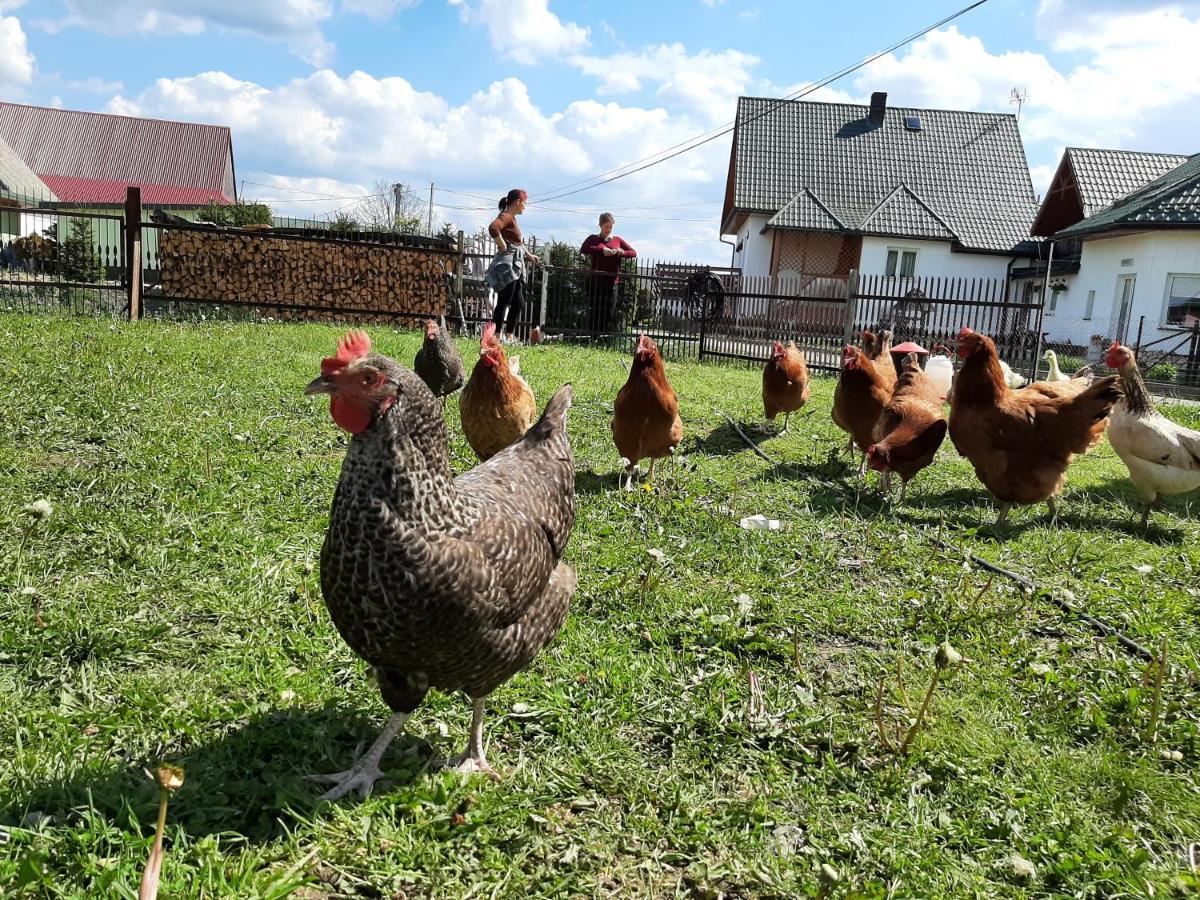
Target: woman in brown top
509	272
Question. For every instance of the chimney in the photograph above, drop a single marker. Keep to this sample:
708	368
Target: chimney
878	108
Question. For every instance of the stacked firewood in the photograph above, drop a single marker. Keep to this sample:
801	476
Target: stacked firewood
311	279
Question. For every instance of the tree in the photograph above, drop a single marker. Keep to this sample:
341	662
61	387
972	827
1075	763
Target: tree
392	207
78	258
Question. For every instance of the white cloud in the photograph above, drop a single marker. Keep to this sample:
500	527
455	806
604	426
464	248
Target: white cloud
1138	68
7	5
712	3
377	9
334	135
95	85
525	31
297	23
16	62
709	82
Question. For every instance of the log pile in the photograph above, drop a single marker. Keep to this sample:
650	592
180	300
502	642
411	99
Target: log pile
308	279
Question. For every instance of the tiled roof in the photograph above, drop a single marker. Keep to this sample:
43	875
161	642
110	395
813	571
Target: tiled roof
19	181
962	173
97	190
1169	201
101	148
1104	176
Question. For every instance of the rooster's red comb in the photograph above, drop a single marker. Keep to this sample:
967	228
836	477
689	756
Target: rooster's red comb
354	345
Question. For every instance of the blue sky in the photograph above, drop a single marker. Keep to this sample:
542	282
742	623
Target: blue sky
327	98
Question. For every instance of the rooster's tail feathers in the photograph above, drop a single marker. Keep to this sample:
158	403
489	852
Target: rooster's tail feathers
554	416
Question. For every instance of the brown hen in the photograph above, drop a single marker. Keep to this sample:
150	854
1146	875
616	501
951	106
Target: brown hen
1020	442
785	385
910	429
859	398
497	406
646	421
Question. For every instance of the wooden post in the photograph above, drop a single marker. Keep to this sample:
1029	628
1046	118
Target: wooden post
542	297
851	312
462	260
133	251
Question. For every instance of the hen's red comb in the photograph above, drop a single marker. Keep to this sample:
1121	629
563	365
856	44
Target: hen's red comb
489	334
964	332
354	345
1115	345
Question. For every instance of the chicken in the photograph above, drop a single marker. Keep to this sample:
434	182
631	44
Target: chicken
877	348
497	406
1162	456
785	382
1011	378
1021	442
438	361
646	419
910	429
1053	372
436	581
859	398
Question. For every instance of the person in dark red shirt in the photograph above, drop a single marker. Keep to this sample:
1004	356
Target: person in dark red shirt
606	251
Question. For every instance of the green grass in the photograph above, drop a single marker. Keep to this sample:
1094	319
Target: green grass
175	615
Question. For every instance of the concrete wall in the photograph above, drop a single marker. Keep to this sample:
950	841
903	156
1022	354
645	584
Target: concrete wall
1151	257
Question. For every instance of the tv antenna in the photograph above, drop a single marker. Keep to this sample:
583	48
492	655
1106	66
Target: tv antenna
1018	96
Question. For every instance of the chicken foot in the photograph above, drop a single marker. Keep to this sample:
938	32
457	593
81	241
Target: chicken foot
1003	517
473	759
364	773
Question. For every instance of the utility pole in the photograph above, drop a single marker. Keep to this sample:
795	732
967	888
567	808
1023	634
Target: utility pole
398	199
429	224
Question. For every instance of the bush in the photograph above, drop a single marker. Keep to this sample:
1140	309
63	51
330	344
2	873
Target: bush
235	215
1162	372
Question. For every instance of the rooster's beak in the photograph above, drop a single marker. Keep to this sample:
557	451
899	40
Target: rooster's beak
318	386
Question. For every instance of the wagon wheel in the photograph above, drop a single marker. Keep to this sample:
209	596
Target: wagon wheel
705	295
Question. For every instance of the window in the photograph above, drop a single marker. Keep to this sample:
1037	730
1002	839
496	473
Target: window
900	262
1052	304
1091	304
1183	300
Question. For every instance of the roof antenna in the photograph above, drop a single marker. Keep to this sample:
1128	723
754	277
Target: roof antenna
1018	96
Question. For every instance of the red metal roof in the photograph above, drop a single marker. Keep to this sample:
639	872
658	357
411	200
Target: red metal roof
81	150
98	190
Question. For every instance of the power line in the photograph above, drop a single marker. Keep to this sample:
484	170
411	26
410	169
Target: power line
706	137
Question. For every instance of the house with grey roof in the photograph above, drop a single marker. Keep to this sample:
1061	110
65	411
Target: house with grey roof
816	190
1125	227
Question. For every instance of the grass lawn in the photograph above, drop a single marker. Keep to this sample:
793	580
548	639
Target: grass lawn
705	725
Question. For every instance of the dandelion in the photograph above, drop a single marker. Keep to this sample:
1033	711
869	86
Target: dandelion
170	779
40	509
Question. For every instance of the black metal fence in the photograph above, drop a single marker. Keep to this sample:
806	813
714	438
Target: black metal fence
55	260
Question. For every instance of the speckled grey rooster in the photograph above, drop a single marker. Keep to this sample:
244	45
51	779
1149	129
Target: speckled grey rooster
438	361
437	581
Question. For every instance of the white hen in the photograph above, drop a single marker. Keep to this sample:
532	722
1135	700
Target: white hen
1162	456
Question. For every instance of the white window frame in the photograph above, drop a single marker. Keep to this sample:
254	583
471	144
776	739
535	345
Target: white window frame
898	266
1171	276
1091	306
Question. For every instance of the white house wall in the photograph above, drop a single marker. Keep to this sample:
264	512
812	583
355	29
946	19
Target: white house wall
755	256
1151	256
934	259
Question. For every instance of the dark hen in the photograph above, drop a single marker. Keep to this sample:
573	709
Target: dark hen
436	581
438	361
